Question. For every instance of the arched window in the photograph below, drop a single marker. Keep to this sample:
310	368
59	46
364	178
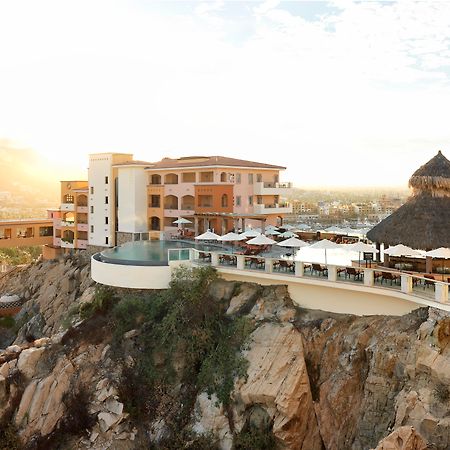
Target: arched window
170	202
82	200
171	178
224	201
155	223
68	198
223	177
155	179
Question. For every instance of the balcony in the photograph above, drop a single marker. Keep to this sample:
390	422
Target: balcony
82	227
272	188
57	242
82	243
67	244
65	223
57	223
277	208
67	207
82	209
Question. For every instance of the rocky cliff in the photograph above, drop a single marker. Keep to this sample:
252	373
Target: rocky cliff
214	364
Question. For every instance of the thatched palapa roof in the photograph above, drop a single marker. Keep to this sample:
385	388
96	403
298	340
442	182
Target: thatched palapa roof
424	220
433	177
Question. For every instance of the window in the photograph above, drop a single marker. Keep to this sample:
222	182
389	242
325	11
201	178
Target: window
250	178
238	178
106	200
250	200
92	190
106	180
68	198
106	240
224	200
258	178
106	220
92	228
92	210
238	200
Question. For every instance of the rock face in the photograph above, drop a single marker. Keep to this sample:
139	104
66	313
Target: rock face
278	382
404	438
315	380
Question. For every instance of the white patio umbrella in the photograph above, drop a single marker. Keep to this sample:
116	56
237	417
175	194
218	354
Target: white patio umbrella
208	236
261	240
302	227
441	253
402	250
325	244
181	221
231	237
288	234
272	232
293	243
361	247
250	233
288	227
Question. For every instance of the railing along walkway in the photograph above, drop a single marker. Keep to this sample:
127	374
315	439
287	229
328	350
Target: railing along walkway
391	280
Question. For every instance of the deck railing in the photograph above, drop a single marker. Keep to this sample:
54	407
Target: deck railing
415	285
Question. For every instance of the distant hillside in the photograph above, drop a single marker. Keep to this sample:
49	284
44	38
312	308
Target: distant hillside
25	174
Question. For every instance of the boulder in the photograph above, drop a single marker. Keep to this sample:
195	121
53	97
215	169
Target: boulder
278	382
403	438
28	360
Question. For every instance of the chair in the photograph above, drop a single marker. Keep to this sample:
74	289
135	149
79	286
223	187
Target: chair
428	280
389	276
206	257
321	270
286	265
351	271
341	270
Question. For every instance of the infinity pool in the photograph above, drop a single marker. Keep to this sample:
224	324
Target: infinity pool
154	253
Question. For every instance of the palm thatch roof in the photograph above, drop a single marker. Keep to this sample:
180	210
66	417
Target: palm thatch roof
433	177
423	222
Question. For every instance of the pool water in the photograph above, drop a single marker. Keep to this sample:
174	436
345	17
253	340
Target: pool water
154	253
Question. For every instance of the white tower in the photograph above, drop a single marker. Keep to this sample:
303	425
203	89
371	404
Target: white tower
102	215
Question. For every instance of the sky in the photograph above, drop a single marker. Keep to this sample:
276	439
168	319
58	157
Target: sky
340	92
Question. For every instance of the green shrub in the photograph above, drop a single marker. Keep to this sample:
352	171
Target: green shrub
252	438
9	438
441	392
104	298
7	322
186	343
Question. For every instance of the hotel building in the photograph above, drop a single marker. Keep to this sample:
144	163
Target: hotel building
128	200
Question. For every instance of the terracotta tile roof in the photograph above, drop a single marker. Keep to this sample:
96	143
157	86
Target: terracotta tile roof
207	161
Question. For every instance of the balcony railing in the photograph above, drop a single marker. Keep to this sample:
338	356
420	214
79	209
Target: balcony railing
65	223
414	285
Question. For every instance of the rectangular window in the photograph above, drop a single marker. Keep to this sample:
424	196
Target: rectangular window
238	200
250	200
106	200
250	178
106	240
106	220
92	210
92	228
238	178
92	190
106	180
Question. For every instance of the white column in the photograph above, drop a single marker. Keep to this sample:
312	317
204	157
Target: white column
240	262
269	265
441	293
299	268
214	259
332	273
369	279
406	283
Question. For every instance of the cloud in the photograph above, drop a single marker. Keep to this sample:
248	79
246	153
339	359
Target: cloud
359	86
